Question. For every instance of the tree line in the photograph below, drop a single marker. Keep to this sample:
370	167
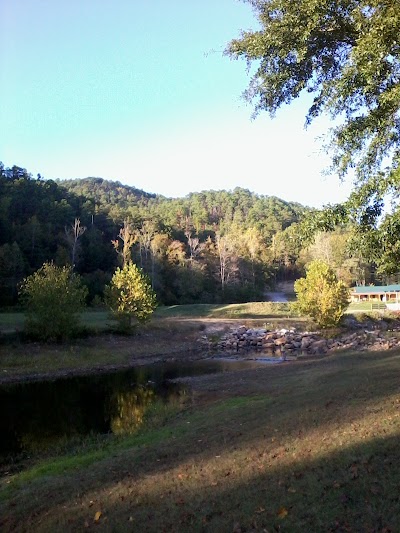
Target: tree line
211	246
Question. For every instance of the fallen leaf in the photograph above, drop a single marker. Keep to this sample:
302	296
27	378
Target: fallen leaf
97	516
260	510
283	512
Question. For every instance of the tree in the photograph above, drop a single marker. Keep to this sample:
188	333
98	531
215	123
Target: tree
333	248
53	298
321	295
145	236
12	267
128	238
130	296
225	247
347	54
73	234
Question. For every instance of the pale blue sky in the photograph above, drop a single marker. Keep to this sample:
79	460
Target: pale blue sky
140	92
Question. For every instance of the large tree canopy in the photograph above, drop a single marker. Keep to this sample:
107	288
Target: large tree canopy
347	54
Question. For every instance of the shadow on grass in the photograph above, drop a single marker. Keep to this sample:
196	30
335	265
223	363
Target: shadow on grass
307	447
354	489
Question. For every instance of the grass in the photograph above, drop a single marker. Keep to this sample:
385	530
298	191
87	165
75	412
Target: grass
99	321
307	446
366	307
96	321
310	446
244	310
158	340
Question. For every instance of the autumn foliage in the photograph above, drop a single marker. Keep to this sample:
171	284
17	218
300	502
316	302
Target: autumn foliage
321	295
130	296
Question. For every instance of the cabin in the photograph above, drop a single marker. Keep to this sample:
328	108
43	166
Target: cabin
388	294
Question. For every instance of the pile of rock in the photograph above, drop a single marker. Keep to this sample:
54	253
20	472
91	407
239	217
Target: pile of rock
286	342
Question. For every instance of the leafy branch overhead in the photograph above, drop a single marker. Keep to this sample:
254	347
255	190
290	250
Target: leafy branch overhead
347	54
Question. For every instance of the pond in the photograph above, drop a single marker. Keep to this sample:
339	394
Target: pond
39	415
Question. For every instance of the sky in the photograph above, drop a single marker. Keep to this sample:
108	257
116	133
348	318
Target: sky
141	92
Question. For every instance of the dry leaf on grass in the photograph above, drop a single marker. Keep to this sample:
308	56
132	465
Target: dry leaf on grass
283	512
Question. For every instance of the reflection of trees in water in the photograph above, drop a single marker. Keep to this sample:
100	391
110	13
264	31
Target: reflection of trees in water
39	417
127	409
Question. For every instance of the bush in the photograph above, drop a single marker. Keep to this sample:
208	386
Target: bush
53	297
130	296
321	295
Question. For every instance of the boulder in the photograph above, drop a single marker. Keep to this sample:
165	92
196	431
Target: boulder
317	347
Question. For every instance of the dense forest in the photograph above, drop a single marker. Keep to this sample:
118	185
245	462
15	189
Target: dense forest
209	247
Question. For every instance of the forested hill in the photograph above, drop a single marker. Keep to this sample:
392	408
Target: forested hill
206	210
208	246
106	191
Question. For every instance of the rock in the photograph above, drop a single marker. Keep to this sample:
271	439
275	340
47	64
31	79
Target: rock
290	341
306	342
318	347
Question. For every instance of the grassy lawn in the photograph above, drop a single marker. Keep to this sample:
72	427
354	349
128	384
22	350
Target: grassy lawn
366	307
244	310
99	321
94	320
310	446
157	340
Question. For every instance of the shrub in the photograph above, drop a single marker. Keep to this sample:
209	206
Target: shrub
53	297
321	295
130	296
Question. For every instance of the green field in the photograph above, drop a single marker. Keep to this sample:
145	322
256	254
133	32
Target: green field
95	320
100	321
257	310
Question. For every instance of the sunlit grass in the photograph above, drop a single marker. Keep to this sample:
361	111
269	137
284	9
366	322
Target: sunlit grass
363	307
98	321
244	310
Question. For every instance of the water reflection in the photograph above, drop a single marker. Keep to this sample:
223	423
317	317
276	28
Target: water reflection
127	409
38	416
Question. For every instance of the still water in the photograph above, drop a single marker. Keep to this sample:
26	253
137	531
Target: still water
36	416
